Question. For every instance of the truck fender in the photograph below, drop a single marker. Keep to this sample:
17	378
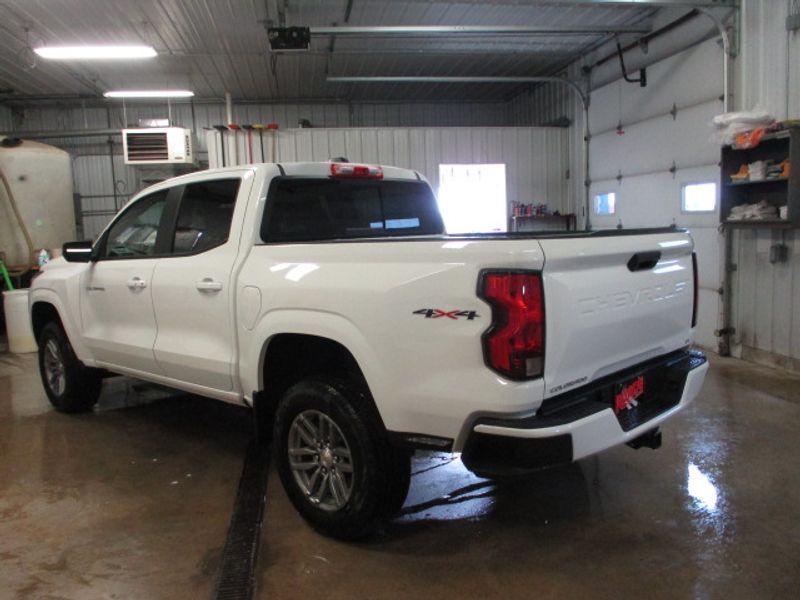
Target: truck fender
332	326
48	296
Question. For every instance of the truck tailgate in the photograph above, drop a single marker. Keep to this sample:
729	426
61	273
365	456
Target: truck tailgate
612	302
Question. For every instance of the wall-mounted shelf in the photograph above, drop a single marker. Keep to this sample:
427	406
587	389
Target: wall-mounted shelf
569	222
758	182
755	224
776	147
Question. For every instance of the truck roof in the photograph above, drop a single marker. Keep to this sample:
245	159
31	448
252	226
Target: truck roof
295	169
302	169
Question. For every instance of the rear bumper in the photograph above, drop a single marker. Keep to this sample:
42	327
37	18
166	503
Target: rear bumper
581	423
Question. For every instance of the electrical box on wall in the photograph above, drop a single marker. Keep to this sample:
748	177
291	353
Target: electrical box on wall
158	146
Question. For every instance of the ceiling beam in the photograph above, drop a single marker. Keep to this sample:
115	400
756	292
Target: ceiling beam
425	30
423	79
647	3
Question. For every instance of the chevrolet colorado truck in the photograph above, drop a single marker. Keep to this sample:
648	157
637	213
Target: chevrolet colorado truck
328	297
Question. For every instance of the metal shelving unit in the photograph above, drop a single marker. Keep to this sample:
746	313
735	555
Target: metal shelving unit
778	192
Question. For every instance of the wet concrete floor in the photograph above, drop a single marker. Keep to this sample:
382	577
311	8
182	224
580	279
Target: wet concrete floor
133	501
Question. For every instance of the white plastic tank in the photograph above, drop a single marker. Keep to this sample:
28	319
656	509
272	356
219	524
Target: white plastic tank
18	322
40	178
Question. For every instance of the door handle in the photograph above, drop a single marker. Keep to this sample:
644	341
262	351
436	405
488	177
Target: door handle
208	285
137	283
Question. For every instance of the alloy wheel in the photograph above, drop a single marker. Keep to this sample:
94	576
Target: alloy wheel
320	460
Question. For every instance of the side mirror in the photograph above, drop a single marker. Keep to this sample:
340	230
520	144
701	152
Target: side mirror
78	251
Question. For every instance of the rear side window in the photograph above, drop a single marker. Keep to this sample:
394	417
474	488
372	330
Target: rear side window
204	218
305	209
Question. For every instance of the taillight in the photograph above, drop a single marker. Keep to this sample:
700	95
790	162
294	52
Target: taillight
694	286
350	171
514	344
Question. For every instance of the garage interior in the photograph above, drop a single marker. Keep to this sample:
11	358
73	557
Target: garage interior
584	114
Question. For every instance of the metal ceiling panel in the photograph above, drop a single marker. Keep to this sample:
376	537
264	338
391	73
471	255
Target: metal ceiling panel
213	46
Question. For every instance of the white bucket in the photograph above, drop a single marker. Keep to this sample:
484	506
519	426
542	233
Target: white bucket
18	322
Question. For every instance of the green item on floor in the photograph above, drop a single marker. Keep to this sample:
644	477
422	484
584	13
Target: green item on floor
6	278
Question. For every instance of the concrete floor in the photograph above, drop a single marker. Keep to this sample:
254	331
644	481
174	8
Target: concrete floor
133	501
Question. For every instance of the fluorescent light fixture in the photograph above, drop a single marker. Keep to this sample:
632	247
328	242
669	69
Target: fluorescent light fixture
95	52
149	94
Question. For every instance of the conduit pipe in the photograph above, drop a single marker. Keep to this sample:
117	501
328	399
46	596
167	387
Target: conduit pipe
228	108
40	135
726	331
726	61
426	30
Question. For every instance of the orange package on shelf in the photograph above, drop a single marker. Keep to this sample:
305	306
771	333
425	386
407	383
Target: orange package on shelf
749	139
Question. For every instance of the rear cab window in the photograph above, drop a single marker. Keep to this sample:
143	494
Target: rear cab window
301	209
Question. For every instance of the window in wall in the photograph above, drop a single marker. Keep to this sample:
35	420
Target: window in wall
204	219
605	204
699	197
472	198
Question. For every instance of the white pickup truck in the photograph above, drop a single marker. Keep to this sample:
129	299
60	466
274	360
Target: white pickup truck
328	297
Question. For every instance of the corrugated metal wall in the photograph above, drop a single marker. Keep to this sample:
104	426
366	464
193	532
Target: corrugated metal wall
545	104
286	115
768	66
767	299
766	296
536	158
104	191
5	119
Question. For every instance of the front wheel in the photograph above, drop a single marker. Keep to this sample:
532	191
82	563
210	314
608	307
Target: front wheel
334	459
70	386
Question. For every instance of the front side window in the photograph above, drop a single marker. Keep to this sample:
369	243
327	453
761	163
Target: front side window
135	233
306	209
205	215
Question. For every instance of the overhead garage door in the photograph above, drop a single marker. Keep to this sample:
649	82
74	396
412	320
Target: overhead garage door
664	142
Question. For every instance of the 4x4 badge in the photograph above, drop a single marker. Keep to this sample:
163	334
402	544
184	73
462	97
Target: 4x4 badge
438	313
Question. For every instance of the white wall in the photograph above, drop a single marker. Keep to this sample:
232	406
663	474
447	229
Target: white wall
286	115
536	159
766	73
92	162
766	298
768	66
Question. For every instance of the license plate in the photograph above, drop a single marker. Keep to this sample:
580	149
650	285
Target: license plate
626	395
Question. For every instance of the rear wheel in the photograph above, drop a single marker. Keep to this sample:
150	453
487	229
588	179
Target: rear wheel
70	386
334	459
399	467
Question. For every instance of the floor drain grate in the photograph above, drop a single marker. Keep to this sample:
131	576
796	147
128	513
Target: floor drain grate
236	577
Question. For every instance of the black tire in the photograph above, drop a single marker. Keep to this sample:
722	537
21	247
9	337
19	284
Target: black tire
400	468
376	478
81	385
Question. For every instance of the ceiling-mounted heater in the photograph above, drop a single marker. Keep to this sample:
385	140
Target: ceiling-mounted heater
158	146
